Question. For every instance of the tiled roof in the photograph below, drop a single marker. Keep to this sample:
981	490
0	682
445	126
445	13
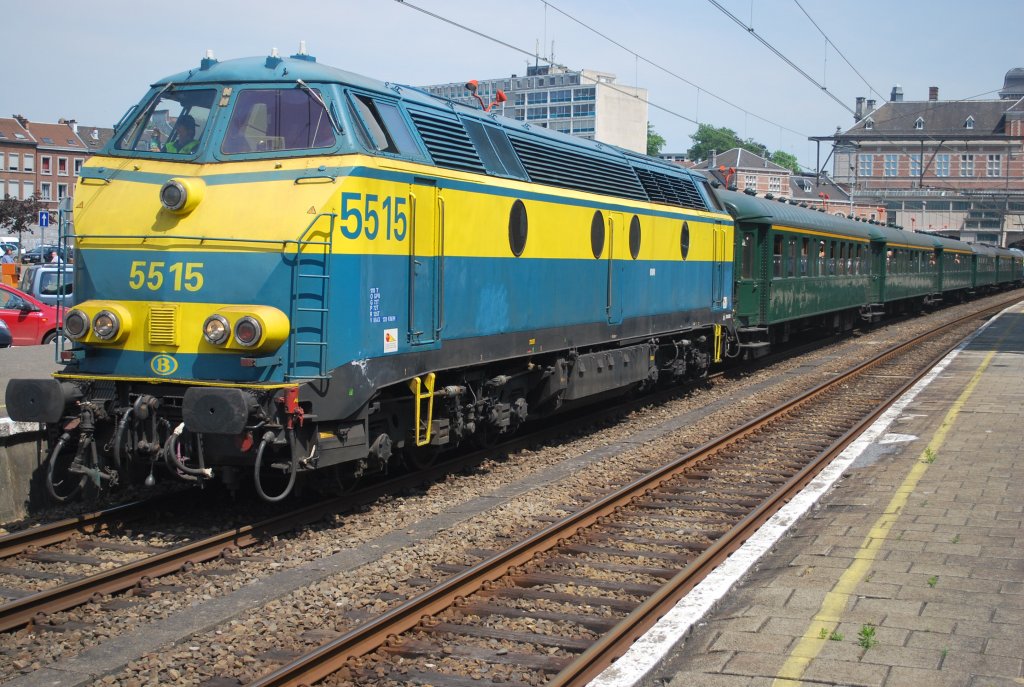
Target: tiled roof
56	136
95	137
807	187
937	117
741	159
13	132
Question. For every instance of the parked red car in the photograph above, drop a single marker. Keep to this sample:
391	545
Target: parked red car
31	321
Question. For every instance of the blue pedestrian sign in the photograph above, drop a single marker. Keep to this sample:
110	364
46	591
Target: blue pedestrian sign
44	218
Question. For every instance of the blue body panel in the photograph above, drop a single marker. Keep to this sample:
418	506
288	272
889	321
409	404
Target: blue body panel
370	295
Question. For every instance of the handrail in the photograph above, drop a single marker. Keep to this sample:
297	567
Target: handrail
224	239
301	243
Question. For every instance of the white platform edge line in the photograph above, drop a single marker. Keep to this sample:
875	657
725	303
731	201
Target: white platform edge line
650	649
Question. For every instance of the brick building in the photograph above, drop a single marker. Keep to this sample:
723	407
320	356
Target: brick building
954	167
43	159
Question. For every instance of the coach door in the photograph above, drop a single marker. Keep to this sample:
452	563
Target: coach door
426	208
616	268
879	271
751	297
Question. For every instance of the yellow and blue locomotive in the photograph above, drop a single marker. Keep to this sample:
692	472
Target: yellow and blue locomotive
282	267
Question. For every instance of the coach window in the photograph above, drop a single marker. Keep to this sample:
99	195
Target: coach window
747	250
805	247
517	228
820	262
831	258
791	258
634	237
597	234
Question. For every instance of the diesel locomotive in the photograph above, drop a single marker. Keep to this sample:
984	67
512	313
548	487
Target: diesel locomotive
281	268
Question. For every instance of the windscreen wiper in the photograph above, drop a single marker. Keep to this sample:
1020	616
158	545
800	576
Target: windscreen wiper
316	96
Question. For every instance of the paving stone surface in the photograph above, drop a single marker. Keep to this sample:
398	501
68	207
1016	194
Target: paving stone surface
945	590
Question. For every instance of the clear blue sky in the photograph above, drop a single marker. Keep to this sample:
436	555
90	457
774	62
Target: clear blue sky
91	62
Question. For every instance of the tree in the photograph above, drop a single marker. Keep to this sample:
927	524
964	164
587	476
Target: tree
19	215
784	159
721	139
708	138
655	141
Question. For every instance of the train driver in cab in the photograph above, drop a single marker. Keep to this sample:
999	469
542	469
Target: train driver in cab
182	140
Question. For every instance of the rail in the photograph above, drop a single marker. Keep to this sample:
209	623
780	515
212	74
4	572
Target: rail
499	572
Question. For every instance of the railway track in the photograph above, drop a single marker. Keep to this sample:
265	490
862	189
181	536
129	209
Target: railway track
560	606
137	569
62	564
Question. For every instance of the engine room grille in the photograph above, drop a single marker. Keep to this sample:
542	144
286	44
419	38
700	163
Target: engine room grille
163	325
663	188
569	168
447	141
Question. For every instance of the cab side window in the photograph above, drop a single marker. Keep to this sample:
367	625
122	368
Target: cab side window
384	127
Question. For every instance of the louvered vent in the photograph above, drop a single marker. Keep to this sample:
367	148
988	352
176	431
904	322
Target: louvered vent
163	326
547	164
664	188
447	141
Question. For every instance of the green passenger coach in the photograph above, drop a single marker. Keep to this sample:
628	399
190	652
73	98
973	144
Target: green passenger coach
798	269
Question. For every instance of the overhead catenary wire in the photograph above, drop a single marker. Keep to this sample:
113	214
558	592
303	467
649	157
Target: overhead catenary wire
667	71
532	54
838	51
543	59
765	43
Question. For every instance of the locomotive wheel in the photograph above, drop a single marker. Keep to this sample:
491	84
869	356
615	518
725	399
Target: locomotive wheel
417	459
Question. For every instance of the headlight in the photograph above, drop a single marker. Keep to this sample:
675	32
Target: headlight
216	329
248	331
182	194
173	195
105	325
76	324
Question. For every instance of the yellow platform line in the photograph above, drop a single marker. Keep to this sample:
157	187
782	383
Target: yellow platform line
831	611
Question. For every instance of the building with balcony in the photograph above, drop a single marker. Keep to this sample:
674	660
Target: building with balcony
585	103
954	167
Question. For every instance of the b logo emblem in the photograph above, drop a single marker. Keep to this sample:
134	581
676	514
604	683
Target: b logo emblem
164	365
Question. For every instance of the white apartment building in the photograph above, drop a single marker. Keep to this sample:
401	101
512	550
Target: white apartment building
584	103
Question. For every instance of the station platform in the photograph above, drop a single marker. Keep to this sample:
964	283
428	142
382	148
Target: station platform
903	564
